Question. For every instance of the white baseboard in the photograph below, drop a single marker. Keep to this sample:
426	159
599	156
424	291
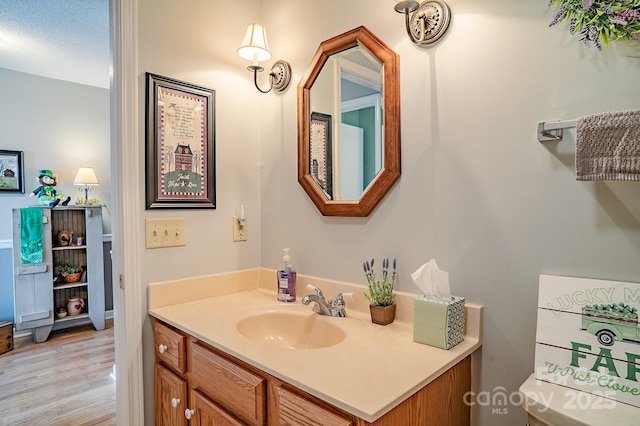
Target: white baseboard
23	333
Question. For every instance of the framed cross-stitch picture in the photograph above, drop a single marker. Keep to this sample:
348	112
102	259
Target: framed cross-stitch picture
180	157
320	162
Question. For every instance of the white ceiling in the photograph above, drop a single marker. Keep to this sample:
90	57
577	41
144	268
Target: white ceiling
62	39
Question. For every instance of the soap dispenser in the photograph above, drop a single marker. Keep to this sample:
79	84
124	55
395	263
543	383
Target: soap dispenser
287	279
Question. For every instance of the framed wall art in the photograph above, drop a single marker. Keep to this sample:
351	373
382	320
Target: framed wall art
180	146
11	171
320	151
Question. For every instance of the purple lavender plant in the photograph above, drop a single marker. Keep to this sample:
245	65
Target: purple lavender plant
599	21
380	293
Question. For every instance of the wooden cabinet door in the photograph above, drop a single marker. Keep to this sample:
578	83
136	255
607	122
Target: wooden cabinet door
292	409
170	398
33	283
170	347
208	413
234	388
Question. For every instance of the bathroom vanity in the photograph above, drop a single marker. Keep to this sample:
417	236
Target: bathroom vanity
219	360
224	389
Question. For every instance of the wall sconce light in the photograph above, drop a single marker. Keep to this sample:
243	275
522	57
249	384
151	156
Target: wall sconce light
241	216
86	176
254	48
426	22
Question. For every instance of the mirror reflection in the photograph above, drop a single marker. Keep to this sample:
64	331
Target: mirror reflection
349	124
350	87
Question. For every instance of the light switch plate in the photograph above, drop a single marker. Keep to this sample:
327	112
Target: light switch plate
240	233
165	232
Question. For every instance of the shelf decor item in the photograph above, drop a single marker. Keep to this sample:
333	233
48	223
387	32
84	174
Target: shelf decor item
600	22
64	238
380	293
75	305
69	272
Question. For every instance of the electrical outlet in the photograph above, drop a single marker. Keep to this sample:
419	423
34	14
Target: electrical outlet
162	233
240	233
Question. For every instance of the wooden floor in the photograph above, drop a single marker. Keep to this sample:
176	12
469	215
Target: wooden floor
63	381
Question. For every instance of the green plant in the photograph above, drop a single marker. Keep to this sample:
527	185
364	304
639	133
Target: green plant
66	267
601	21
81	201
381	293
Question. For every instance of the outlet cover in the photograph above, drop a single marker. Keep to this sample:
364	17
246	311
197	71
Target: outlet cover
240	233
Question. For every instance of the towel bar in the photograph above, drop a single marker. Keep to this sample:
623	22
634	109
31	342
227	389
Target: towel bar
552	131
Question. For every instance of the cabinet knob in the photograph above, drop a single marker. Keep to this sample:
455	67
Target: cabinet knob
188	413
162	348
175	402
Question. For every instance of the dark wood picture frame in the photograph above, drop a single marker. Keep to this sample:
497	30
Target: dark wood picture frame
11	171
320	154
180	144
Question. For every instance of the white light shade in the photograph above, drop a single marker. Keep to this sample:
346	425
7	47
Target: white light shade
85	176
254	47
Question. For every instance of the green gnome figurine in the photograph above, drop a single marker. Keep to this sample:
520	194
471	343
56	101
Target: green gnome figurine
46	192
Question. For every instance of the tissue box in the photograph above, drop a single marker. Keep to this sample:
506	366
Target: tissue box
438	323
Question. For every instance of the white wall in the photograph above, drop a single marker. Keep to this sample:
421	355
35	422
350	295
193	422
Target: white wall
495	207
478	192
198	45
59	126
196	42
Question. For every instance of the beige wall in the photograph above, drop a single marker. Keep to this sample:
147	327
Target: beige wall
495	207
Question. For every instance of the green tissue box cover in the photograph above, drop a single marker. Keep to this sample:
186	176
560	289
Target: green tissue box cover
438	323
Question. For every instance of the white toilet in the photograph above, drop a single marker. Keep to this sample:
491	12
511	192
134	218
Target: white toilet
555	405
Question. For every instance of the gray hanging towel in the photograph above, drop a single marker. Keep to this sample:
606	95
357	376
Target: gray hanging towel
31	244
608	146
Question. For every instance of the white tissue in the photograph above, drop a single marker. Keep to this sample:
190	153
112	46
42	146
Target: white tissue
433	281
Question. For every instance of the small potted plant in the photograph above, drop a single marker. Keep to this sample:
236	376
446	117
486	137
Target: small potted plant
599	22
68	271
380	293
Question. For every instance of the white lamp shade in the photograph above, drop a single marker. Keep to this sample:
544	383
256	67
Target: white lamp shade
254	47
85	176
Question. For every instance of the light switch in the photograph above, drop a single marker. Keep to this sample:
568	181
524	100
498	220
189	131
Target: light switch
165	233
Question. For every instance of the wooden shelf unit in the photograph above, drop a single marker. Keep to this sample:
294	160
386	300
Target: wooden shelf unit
39	294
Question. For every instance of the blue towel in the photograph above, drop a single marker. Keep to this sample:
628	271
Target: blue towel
31	244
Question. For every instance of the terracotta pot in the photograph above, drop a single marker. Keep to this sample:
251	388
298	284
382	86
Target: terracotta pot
75	305
72	278
383	315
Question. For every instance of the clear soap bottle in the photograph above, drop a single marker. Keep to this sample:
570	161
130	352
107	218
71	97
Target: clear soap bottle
287	279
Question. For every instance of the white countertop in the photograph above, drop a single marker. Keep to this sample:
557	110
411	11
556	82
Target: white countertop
370	357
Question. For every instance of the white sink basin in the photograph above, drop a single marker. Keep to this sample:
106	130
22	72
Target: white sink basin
292	330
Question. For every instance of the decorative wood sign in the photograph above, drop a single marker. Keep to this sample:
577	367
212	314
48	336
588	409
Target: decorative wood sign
588	337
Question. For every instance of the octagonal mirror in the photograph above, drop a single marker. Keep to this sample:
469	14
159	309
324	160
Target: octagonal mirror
349	124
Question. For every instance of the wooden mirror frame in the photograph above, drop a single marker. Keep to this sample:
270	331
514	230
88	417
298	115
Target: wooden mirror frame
390	171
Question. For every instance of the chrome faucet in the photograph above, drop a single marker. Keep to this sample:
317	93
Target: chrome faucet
326	307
